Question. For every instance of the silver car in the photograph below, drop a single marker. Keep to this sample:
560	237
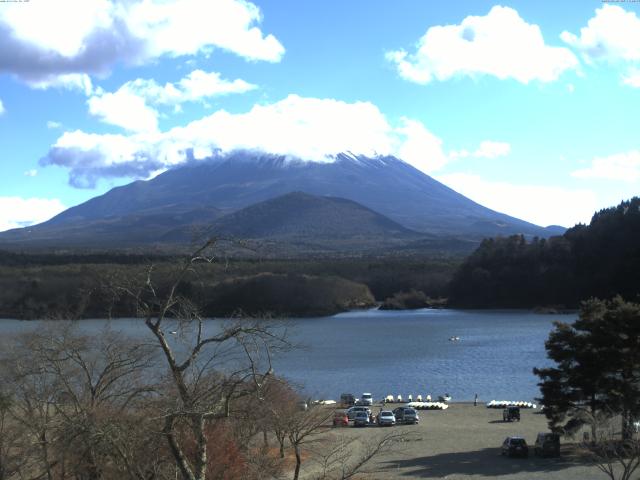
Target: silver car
361	419
386	417
351	412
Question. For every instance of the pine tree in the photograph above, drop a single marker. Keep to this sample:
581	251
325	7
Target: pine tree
597	370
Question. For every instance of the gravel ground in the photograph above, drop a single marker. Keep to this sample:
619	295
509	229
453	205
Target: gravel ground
464	442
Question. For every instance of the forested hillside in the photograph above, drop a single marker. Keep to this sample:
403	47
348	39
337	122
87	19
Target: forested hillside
77	286
601	259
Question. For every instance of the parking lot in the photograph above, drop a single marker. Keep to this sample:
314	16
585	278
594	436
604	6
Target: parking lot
464	442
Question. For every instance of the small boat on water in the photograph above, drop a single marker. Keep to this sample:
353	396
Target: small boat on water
454	339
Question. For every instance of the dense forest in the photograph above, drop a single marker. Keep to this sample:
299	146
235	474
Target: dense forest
82	286
601	259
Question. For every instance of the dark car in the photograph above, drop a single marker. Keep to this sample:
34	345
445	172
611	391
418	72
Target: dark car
547	445
406	415
511	414
515	447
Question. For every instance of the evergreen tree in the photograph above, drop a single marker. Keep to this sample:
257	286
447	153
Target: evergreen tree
597	368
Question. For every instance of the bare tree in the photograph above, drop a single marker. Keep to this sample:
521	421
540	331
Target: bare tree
615	456
340	459
303	429
277	410
75	396
12	440
209	367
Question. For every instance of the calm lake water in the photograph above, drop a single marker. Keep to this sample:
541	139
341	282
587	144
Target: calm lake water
405	352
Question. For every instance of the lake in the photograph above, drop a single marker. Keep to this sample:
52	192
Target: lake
403	352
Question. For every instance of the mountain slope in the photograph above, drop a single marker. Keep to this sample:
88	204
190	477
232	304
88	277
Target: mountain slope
224	185
299	214
308	222
115	231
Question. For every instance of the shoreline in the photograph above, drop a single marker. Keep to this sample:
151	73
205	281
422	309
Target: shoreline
356	311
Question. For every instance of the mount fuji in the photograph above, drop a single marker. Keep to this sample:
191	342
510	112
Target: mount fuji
264	196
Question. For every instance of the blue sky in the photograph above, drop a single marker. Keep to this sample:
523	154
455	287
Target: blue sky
529	108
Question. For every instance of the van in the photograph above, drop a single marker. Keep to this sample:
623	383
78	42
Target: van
367	399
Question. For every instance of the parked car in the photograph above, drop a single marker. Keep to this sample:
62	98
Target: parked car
361	419
515	447
347	399
511	414
302	405
547	445
340	418
351	412
406	415
386	417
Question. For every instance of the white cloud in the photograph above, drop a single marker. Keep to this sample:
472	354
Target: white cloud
124	109
623	167
91	156
632	78
131	106
18	212
48	25
2	110
539	204
53	125
41	41
307	128
185	27
199	85
612	34
489	149
420	147
501	44
31	173
486	149
72	81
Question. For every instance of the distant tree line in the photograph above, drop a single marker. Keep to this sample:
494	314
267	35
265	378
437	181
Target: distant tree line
22	259
56	288
601	260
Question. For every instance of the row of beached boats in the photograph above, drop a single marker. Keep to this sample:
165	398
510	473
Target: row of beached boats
420	402
428	405
427	398
510	403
